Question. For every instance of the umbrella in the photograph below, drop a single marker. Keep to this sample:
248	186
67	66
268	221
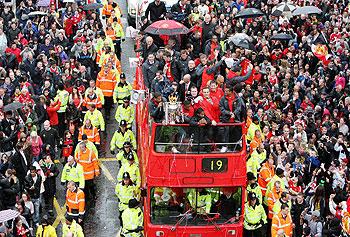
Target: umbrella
43	3
244	43
37	13
92	6
7	215
249	13
283	8
238	37
13	106
281	36
167	27
307	10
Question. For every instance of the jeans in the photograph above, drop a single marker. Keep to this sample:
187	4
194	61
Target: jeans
36	215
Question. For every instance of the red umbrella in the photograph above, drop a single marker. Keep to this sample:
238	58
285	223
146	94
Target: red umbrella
167	27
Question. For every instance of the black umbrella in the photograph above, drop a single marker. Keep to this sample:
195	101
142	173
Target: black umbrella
244	43
13	106
283	8
249	13
281	36
92	6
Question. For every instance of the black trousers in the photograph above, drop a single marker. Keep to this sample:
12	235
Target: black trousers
120	219
253	233
118	48
61	123
90	189
108	106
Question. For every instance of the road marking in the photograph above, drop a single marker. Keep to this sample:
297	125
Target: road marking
107	173
107	159
61	212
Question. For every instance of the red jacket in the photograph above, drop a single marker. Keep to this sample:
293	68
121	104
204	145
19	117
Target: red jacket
212	110
52	112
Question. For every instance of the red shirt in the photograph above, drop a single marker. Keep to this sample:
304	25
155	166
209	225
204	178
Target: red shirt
295	188
52	113
211	109
218	94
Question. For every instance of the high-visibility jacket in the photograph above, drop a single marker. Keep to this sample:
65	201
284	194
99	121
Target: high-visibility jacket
63	97
87	101
91	146
89	162
106	58
133	171
253	165
91	132
200	201
272	198
132	219
257	191
121	156
46	231
100	43
106	82
282	223
125	193
106	10
265	175
118	28
111	19
125	113
277	207
98	92
346	222
96	119
259	156
111	33
254	217
251	131
119	138
73	173
121	91
272	182
75	203
73	228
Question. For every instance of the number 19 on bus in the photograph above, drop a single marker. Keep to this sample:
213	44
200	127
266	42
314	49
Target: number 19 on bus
214	165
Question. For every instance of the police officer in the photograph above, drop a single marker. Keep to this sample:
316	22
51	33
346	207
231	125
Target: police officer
121	90
253	187
125	191
254	217
62	96
125	112
123	134
201	200
124	152
132	219
132	168
73	171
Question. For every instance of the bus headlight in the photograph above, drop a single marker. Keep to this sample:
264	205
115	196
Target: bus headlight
231	232
159	233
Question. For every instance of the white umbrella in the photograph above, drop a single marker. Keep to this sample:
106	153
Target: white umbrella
306	10
37	13
283	8
239	37
7	215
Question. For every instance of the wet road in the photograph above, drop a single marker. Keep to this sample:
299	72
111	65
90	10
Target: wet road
102	219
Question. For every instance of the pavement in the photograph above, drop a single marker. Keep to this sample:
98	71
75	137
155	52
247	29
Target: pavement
101	219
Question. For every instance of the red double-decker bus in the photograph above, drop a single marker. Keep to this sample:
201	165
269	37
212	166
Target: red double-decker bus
192	188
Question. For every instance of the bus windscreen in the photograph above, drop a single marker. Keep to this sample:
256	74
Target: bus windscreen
198	139
195	206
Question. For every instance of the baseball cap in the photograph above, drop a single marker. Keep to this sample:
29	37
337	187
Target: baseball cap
315	213
250	176
122	75
127	144
84	137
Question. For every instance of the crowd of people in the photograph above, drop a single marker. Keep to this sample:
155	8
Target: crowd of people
60	77
292	93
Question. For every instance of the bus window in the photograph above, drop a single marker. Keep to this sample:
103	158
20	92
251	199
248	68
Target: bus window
195	206
193	139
